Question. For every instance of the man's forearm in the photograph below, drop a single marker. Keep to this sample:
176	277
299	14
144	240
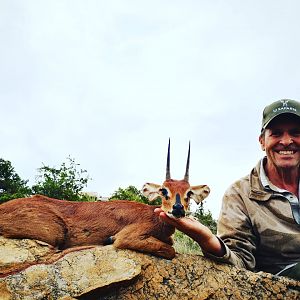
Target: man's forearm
206	240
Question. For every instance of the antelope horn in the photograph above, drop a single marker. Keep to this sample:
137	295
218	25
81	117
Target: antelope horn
186	176
168	174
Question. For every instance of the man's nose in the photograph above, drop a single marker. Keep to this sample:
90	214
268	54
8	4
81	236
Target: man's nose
286	139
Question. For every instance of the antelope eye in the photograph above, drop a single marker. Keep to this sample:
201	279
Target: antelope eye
189	194
164	192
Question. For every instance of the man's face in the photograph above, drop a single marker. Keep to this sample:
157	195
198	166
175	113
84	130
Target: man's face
281	141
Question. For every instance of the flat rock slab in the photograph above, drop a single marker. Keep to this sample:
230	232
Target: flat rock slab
74	274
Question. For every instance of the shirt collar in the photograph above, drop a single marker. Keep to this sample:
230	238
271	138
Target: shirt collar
267	184
262	174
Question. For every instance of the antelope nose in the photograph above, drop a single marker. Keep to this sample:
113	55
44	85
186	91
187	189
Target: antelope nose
177	206
178	209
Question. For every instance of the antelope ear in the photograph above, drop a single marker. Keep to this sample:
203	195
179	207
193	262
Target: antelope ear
199	192
151	191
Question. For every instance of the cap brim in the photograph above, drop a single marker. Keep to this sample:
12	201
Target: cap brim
277	115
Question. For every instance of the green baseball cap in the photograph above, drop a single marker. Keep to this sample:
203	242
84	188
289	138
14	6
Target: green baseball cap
284	106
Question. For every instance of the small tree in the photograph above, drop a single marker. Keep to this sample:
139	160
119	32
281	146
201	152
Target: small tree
133	194
205	218
11	185
65	182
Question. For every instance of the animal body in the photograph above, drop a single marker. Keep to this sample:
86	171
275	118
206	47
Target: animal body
126	224
66	224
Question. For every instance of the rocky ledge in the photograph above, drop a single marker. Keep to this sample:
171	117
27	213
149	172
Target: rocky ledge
34	270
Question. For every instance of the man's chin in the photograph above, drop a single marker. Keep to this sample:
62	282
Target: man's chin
288	166
287	162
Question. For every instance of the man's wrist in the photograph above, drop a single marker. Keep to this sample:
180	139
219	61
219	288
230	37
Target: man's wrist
213	246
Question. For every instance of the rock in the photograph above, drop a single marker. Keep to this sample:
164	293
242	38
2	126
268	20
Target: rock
18	254
34	270
72	274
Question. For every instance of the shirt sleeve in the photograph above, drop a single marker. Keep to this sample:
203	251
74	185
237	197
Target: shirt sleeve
235	231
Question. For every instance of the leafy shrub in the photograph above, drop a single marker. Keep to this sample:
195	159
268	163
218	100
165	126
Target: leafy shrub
65	182
205	217
133	194
11	185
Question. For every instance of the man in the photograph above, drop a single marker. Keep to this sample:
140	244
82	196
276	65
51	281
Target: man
259	224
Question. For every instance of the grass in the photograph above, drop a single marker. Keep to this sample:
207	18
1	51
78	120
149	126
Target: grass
185	245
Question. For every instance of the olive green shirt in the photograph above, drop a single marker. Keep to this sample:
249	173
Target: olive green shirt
257	226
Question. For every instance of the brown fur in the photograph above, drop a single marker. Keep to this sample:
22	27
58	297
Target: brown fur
66	224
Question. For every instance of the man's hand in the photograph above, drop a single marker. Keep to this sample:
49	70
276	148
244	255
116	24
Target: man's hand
197	231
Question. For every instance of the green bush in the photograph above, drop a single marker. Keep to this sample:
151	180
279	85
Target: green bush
133	194
11	185
205	218
65	182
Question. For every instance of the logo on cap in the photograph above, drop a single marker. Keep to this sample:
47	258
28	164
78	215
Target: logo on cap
284	102
284	107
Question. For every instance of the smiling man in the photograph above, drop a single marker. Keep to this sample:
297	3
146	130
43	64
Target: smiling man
259	224
281	141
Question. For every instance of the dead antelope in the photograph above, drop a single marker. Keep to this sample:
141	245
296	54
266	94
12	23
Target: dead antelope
126	224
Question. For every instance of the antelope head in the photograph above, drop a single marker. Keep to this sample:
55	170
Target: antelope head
176	194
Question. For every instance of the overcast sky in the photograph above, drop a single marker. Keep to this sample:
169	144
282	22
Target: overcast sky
108	82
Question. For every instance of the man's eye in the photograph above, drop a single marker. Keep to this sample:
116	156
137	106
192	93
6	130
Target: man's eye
275	133
295	132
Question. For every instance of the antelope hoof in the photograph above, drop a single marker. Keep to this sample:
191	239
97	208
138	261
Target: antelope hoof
167	252
109	241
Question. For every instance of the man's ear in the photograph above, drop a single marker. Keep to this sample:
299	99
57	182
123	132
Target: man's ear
262	142
199	192
151	191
